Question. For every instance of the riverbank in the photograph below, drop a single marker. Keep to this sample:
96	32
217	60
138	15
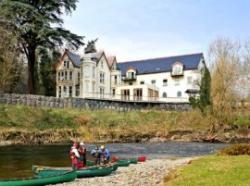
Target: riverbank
149	173
212	170
32	125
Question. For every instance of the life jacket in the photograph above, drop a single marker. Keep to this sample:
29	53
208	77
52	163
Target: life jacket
73	156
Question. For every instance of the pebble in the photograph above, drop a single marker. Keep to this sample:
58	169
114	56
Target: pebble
149	173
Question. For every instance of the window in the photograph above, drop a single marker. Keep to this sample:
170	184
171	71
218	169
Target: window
62	75
60	92
165	82
153	82
77	90
130	83
93	88
70	91
115	80
101	77
125	94
142	82
58	76
102	64
189	80
67	64
87	71
177	69
164	95
79	76
66	75
70	75
137	94
179	94
93	72
113	92
64	91
131	75
101	92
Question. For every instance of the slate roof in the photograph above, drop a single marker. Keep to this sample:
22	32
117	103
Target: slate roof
76	59
164	64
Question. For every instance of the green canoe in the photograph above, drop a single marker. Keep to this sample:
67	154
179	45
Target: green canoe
123	163
43	180
41	171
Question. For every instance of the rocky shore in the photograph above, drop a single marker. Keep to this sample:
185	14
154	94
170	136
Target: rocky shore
149	173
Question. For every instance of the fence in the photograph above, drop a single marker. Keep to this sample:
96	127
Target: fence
88	103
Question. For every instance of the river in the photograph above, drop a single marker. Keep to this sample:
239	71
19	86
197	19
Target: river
16	160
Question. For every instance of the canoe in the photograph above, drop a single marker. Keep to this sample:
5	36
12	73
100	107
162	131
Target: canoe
43	180
123	163
133	161
41	171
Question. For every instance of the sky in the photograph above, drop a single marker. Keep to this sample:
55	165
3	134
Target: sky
141	29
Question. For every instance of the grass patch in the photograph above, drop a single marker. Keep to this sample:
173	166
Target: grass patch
214	170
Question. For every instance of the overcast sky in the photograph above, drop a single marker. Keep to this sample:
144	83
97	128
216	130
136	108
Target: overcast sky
140	29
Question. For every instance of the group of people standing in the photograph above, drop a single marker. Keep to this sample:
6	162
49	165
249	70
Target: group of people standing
78	155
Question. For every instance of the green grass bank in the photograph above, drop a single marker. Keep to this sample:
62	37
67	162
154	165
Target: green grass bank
213	170
24	124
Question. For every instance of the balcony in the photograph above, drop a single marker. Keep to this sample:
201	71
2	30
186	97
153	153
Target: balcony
129	79
177	74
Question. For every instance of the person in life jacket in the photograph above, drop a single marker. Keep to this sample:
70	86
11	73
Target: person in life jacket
74	155
105	154
82	151
96	152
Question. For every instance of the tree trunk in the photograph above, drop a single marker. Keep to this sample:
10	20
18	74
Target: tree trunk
31	70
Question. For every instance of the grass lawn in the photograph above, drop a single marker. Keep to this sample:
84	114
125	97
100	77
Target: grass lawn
214	171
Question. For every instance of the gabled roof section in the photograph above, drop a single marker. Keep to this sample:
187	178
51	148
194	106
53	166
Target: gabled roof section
111	61
75	58
164	64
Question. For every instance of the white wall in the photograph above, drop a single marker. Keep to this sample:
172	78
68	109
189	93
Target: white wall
174	84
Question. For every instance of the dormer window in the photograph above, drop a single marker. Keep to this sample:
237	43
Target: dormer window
177	69
130	75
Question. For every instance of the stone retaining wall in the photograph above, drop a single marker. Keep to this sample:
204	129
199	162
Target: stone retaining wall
119	105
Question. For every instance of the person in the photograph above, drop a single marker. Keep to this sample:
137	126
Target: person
74	155
97	154
82	152
105	154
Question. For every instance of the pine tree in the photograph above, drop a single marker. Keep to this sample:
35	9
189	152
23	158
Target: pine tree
38	24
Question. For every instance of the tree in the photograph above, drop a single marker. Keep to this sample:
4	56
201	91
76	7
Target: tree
205	87
225	57
10	64
204	99
47	71
38	24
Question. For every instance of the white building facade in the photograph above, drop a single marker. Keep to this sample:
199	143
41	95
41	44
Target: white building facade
94	75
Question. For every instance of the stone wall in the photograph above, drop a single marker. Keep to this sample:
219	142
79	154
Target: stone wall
53	102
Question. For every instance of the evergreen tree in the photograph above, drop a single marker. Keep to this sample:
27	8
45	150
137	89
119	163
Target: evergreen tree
48	72
205	87
38	23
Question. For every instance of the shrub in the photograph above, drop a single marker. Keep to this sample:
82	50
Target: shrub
236	149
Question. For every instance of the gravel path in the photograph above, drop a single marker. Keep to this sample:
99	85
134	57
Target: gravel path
149	173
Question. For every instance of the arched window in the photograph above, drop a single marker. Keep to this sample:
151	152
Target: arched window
179	94
164	95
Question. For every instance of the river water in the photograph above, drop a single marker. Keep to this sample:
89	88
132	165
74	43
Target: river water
16	161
